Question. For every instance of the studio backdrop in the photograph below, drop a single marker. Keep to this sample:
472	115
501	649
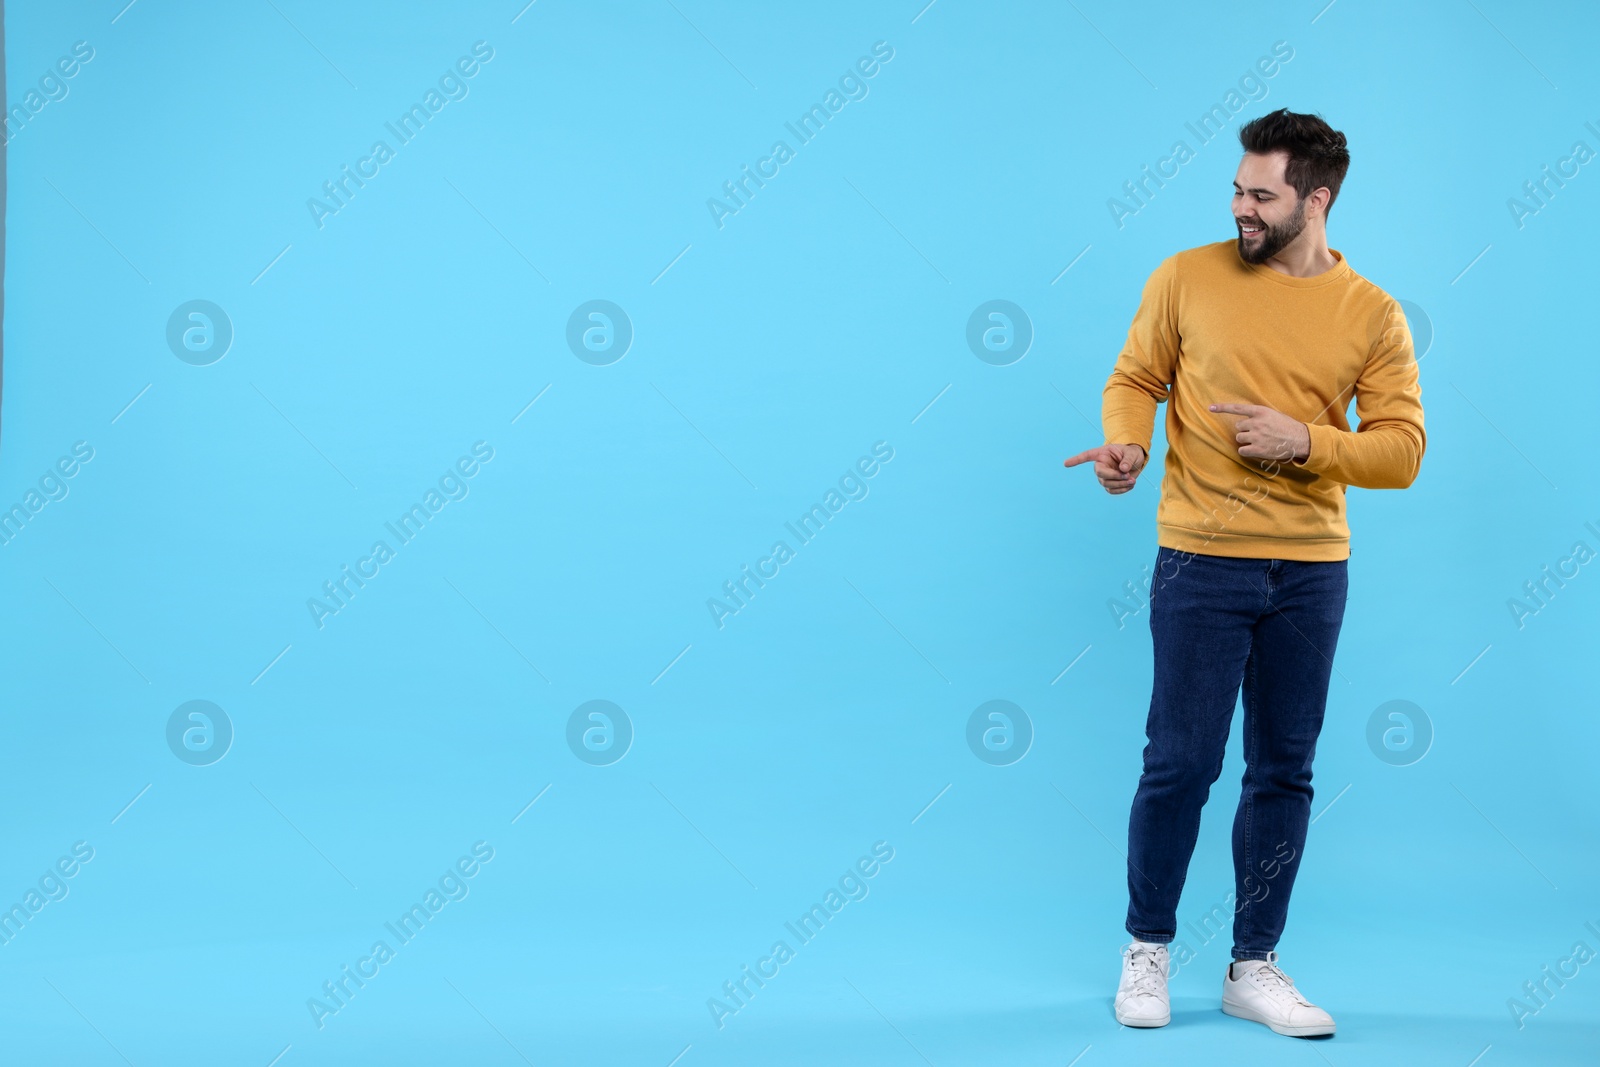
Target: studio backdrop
536	532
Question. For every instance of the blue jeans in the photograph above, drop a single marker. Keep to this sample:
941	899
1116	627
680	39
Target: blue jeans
1218	624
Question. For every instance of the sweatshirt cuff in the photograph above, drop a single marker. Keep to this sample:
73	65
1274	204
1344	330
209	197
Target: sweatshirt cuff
1117	435
1322	445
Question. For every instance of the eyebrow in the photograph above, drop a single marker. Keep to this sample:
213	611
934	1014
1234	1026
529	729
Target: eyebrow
1258	189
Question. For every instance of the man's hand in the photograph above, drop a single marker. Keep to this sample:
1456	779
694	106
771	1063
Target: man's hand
1267	434
1117	466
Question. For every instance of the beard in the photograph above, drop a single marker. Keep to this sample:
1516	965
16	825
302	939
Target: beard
1273	239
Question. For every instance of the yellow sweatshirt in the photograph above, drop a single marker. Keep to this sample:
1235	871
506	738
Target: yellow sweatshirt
1213	329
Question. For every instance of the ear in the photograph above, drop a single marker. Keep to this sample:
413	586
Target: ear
1319	199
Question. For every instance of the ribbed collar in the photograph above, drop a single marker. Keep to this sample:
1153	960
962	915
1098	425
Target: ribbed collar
1339	272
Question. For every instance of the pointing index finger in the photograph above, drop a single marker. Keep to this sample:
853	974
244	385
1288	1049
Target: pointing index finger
1085	456
1235	409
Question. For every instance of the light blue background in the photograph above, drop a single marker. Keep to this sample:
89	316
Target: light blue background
768	355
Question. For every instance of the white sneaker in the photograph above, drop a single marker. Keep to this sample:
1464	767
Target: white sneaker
1142	996
1257	990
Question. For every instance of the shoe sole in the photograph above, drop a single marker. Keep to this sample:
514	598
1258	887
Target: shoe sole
1144	1022
1238	1012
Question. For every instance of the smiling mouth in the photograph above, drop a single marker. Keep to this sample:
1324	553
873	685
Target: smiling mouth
1249	231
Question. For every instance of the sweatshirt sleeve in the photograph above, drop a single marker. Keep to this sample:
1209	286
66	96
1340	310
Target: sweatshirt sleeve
1385	450
1142	376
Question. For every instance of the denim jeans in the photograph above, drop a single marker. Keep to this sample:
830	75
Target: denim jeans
1218	624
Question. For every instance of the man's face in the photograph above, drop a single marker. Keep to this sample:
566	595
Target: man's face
1266	209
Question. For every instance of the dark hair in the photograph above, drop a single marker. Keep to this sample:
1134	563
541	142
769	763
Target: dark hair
1317	153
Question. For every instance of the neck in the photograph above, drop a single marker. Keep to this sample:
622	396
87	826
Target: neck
1305	257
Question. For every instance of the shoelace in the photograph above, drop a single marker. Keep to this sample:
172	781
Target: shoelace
1272	981
1146	976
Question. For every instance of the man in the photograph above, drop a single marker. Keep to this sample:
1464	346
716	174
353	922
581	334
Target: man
1258	345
